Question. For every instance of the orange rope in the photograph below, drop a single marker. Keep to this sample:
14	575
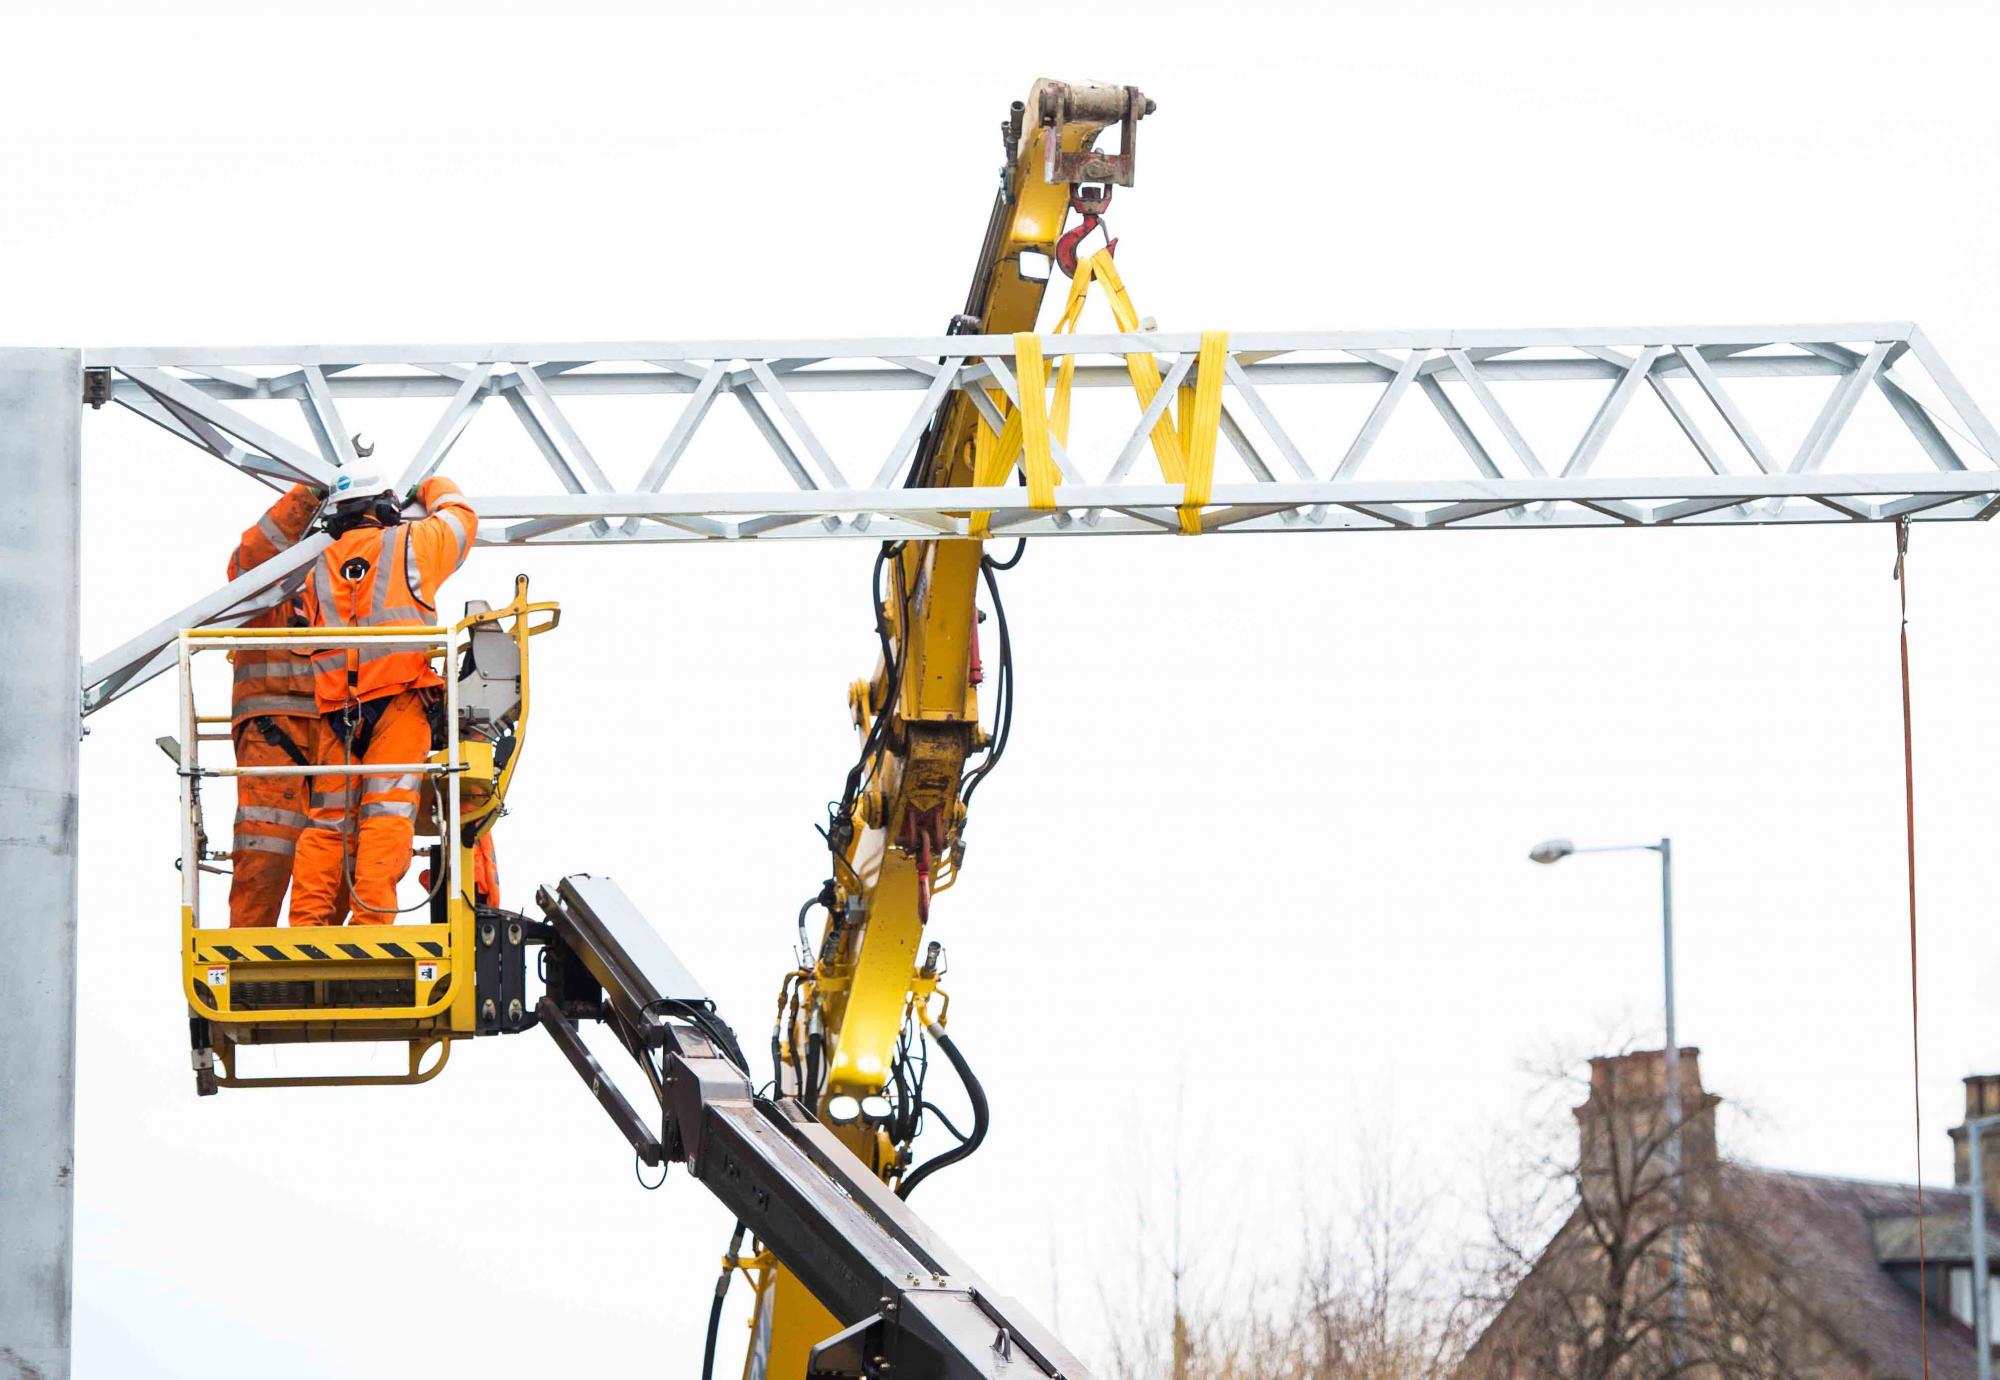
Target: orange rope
1910	831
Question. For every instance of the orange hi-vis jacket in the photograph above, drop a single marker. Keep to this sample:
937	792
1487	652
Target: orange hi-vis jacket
386	577
277	681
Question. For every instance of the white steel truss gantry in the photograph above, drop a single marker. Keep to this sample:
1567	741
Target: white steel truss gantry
1665	427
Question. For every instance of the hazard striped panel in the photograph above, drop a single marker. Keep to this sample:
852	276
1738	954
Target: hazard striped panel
228	948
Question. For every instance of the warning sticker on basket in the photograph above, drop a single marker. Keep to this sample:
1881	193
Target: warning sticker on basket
427	972
218	977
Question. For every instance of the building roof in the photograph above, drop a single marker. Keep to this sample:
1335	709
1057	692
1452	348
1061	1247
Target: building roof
1837	1242
1844	1252
1945	1237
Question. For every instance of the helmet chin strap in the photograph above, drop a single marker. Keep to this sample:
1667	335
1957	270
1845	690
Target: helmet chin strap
380	511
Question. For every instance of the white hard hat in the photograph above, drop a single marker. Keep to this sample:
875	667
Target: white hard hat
357	484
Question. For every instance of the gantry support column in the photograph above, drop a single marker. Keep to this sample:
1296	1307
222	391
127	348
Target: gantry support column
40	722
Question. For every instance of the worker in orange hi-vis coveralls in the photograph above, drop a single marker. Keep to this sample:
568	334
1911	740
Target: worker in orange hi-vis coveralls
375	703
272	712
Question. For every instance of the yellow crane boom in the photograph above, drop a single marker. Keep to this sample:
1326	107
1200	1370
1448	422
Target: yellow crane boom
896	831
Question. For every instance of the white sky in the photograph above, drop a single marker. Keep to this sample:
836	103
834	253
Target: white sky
1259	842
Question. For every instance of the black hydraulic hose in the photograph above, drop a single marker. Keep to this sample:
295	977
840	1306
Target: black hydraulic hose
715	1308
824	898
718	1030
710	1025
939	1113
1020	550
1003	718
839	812
714	1327
903	1123
980	1116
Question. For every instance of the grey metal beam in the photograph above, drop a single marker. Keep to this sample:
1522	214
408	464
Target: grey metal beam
41	469
432	380
190	402
1072	497
702	351
141	657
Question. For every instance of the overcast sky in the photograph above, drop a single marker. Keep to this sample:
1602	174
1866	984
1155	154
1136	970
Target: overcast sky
1258	847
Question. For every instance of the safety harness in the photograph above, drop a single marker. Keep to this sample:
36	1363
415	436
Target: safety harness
281	740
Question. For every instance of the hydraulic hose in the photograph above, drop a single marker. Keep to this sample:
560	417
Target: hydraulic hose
1003	717
715	1308
704	1020
981	1118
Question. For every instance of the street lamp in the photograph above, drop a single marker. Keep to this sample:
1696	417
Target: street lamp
1554	851
1982	1323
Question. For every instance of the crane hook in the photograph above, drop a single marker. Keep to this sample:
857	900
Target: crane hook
1089	201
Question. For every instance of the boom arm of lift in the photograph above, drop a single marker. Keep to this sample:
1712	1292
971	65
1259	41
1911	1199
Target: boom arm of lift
907	1305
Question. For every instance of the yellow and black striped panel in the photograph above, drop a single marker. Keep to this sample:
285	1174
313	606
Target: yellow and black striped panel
319	949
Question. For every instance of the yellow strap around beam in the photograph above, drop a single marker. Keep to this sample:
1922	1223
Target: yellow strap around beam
996	460
1184	447
993	456
1032	377
1079	289
1199	425
1144	369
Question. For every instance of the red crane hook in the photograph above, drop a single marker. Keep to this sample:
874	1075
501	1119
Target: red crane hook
1090	202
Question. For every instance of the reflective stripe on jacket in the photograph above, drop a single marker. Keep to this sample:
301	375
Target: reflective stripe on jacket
386	577
273	681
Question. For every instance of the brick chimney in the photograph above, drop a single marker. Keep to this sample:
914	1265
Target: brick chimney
1626	1110
1982	1098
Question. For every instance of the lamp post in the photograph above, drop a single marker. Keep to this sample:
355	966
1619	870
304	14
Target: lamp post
1982	1322
1554	851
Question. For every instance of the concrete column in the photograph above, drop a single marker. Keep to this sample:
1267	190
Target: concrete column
40	508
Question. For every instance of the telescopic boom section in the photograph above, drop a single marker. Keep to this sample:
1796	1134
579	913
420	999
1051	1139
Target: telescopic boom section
901	1303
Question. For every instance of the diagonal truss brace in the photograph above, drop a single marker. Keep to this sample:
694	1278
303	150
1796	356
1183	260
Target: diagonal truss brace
145	655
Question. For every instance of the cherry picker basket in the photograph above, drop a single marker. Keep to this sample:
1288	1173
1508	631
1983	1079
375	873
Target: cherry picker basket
423	985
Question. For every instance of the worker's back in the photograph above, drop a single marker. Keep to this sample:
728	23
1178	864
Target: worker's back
379	706
376	576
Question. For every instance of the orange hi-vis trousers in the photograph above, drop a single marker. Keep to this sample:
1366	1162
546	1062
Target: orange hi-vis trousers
270	813
485	873
360	825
